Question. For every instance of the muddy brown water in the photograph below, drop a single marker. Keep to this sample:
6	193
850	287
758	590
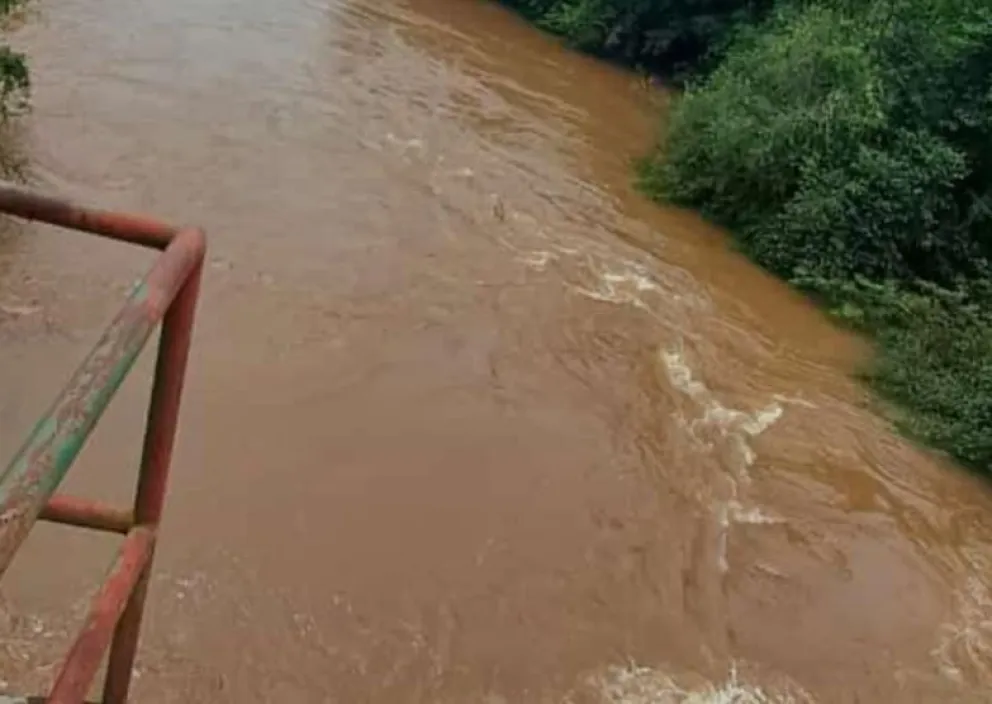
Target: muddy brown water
468	419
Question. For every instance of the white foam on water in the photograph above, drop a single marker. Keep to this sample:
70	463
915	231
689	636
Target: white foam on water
737	426
537	260
751	515
728	431
680	376
636	684
721	509
964	648
621	287
794	401
592	270
734	425
405	145
33	645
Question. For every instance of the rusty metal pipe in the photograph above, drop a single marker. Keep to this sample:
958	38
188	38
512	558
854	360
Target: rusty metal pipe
43	461
73	511
156	458
168	292
9	699
86	653
137	229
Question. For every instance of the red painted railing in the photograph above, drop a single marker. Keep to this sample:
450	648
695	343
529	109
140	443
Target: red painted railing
168	294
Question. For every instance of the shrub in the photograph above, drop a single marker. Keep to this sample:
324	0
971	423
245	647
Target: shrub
671	37
15	81
849	143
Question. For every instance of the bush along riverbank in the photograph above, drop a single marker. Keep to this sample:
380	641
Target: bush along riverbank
673	38
15	90
15	81
847	145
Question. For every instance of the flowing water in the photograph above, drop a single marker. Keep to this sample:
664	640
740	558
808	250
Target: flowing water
468	419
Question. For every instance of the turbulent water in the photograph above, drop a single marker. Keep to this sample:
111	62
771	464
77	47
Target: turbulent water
469	420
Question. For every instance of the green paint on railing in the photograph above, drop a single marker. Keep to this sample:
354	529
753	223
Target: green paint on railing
95	404
45	458
139	293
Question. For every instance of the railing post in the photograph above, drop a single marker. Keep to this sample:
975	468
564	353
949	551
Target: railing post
160	432
167	295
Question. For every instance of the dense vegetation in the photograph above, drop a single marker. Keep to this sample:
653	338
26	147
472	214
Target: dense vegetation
14	80
847	144
670	37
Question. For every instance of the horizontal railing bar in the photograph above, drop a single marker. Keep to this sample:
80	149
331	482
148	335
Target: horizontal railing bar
11	699
43	461
72	511
86	654
125	227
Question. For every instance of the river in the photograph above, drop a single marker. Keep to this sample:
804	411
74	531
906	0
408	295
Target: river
469	420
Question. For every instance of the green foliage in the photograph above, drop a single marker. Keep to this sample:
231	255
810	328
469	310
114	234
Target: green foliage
849	147
940	369
673	37
15	81
935	360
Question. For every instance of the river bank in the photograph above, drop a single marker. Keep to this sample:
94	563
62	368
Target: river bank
843	147
430	454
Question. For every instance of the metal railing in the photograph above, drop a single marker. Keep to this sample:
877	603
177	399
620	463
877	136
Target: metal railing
168	294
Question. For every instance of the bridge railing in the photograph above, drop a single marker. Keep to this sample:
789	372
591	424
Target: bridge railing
167	295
